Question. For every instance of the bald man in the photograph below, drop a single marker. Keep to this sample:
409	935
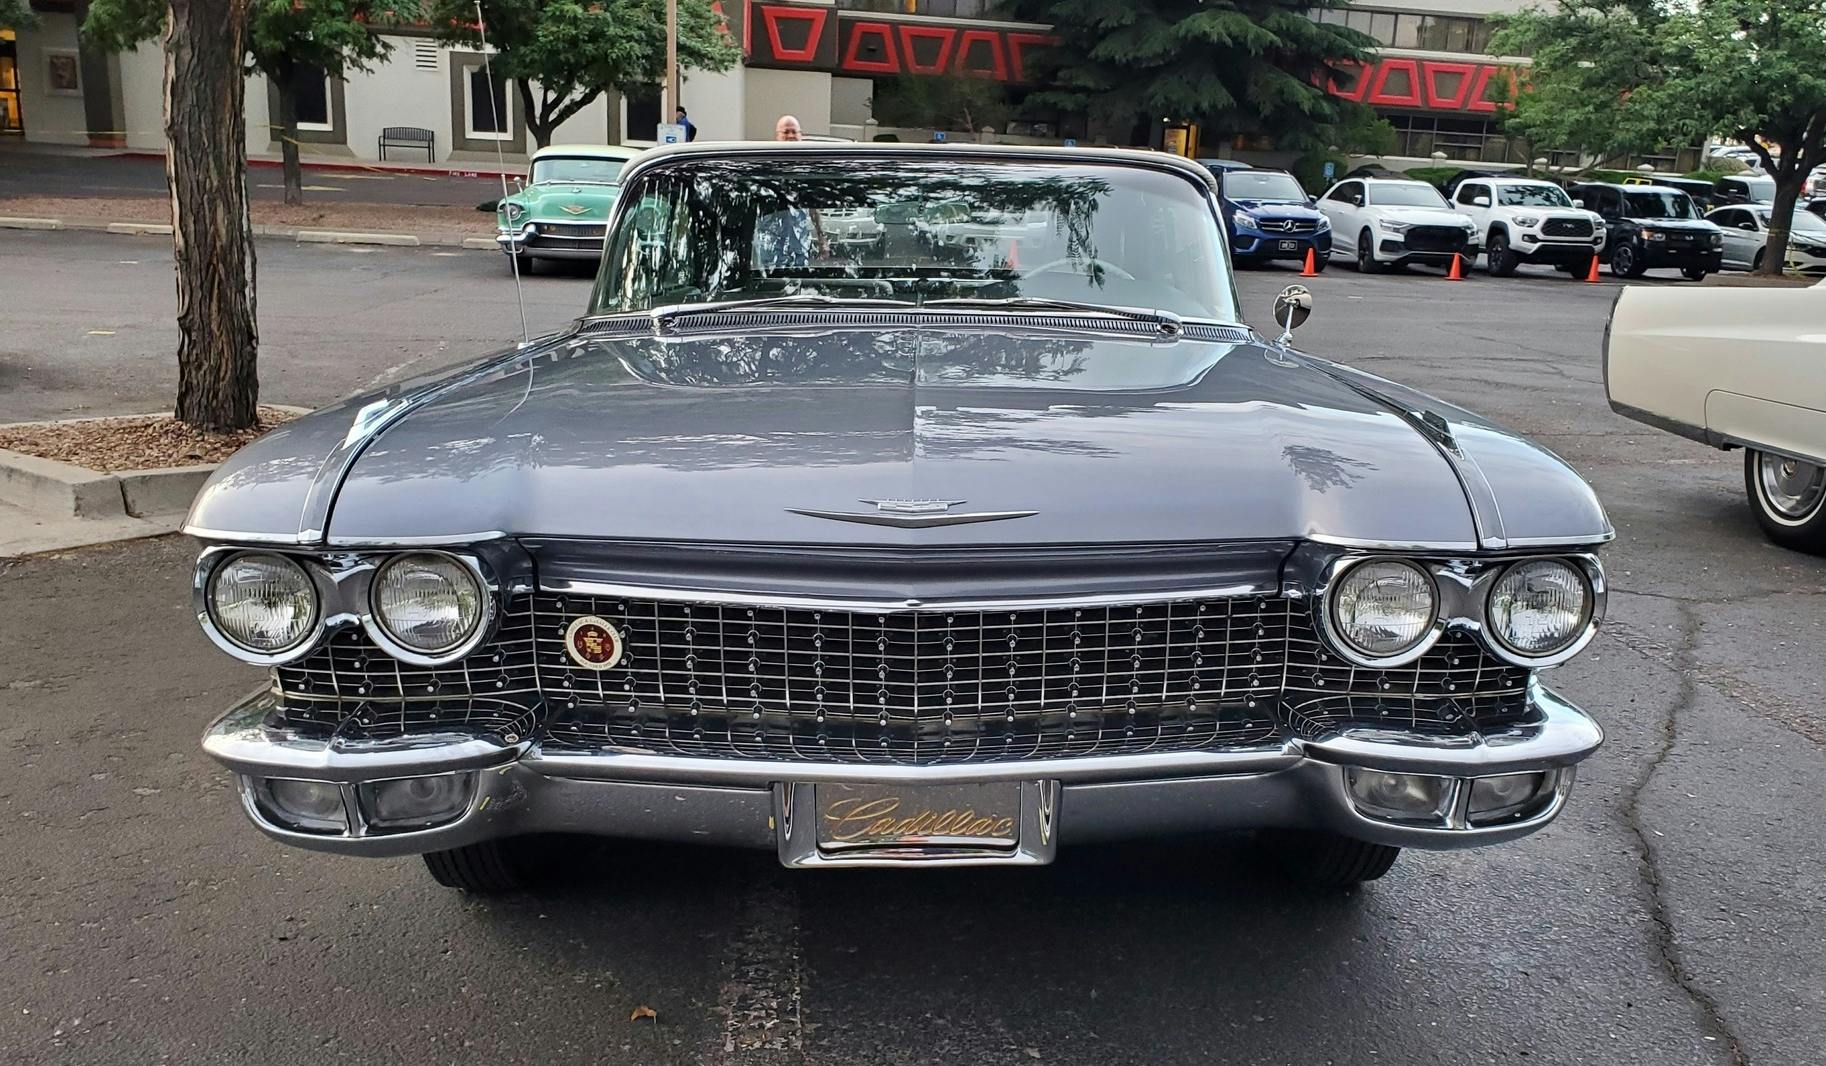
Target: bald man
786	128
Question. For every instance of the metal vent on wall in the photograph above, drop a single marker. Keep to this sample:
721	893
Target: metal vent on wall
424	55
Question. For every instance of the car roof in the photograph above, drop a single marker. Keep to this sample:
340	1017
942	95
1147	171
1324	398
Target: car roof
588	151
1229	164
1514	181
1395	181
945	149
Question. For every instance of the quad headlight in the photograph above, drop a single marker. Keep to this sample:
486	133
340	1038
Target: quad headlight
1383	608
262	602
513	212
427	603
1539	607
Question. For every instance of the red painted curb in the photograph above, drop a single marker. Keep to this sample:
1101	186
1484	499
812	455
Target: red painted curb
392	168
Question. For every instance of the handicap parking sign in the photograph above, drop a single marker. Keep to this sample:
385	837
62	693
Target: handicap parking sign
670	133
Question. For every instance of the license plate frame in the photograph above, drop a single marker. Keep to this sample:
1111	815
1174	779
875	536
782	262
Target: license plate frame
821	824
1289	246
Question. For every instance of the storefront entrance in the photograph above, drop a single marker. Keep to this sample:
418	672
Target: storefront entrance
12	119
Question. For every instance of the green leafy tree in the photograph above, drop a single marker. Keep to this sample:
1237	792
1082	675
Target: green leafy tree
283	37
16	14
1617	77
562	54
1257	67
942	103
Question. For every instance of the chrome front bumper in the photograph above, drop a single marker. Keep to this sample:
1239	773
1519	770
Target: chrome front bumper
523	788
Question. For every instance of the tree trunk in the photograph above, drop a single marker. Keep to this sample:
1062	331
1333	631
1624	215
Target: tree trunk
1788	181
538	120
288	133
212	240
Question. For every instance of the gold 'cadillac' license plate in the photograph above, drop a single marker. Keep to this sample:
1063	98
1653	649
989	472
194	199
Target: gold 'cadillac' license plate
938	816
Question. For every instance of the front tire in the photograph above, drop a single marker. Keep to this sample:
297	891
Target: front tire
1694	273
486	868
1503	259
1319	262
1625	263
1789	499
1366	254
1328	860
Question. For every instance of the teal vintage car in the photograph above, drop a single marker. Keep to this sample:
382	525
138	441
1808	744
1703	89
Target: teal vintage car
564	206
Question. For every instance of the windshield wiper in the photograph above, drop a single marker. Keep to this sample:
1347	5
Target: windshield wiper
761	303
1166	321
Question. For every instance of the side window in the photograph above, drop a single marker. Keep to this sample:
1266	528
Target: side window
1349	192
1605	202
1731	218
1470	191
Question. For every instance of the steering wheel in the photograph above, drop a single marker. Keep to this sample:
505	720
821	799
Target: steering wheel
1053	267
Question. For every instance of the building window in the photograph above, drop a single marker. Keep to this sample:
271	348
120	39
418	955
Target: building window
643	113
962	9
1463	139
1411	29
486	114
311	96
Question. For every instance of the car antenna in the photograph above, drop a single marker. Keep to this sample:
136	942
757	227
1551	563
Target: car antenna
501	164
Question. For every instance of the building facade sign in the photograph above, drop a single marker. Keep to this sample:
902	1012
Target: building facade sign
869	44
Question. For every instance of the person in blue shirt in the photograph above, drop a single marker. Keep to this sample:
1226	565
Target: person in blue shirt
690	127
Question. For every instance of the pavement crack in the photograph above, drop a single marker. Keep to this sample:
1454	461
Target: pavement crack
763	975
1666	938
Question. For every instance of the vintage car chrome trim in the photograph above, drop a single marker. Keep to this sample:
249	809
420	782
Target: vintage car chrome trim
912	521
1326	622
562	586
435	541
328	614
292	540
243	741
1727	440
1561	736
1036	839
1405	547
485	626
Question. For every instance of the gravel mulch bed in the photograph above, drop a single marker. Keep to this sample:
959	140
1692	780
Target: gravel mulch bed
111	444
376	218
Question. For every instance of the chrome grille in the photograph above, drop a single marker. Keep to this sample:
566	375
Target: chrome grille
918	687
574	230
1289	225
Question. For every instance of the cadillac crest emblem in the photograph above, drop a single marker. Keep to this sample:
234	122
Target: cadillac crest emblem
575	209
593	643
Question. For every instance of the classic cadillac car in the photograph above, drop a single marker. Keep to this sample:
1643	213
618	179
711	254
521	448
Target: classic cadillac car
887	558
1734	368
562	210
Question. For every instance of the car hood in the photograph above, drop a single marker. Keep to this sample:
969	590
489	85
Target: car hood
1275	208
1421	216
569	201
736	438
1684	225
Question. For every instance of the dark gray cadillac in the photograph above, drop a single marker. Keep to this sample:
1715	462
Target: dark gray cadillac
998	533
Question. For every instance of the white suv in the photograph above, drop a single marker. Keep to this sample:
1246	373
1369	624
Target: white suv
1524	220
1385	222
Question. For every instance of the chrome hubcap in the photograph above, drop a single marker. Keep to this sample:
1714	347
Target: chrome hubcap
1792	488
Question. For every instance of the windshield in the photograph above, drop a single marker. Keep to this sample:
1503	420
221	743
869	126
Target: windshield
1262	185
1759	190
1405	195
577	168
1533	196
911	230
1807	223
1659	203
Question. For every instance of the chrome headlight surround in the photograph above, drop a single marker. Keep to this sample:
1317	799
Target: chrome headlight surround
488	594
1462	585
202	596
1326	616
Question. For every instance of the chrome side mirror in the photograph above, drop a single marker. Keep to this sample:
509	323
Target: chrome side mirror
1291	309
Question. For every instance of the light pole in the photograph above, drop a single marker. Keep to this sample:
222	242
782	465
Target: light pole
671	59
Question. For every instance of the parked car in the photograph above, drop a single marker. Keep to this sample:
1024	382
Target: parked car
1528	221
901	563
1392	223
1745	189
1734	368
563	207
1703	193
1651	226
1220	166
1746	231
1270	216
1815	206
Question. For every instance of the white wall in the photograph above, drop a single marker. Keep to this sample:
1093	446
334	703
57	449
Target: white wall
142	93
852	100
48	118
803	94
717	103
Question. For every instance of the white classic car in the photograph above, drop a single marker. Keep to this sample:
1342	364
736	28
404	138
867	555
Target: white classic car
1734	368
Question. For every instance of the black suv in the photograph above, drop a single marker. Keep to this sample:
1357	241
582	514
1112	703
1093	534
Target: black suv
1649	226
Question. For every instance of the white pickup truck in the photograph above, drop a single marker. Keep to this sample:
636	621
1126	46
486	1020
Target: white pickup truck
1524	220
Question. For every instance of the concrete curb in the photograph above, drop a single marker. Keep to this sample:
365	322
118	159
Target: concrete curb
288	233
65	490
403	240
60	488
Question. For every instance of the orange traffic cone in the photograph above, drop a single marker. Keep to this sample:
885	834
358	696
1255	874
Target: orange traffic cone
1312	265
1592	274
1455	274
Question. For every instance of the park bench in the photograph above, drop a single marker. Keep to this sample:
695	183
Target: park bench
409	137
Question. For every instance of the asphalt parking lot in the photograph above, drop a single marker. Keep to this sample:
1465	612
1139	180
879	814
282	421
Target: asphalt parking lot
1672	916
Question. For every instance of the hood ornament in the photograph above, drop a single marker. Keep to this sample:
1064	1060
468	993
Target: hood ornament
913	514
575	209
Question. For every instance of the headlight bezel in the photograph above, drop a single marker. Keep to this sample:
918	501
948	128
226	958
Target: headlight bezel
1326	615
376	627
1582	634
209	566
1462	585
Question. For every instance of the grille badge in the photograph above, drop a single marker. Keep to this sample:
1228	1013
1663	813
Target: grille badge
593	643
912	514
575	209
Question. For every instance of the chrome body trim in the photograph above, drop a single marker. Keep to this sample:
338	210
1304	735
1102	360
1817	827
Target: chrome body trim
744	599
1037	839
523	788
